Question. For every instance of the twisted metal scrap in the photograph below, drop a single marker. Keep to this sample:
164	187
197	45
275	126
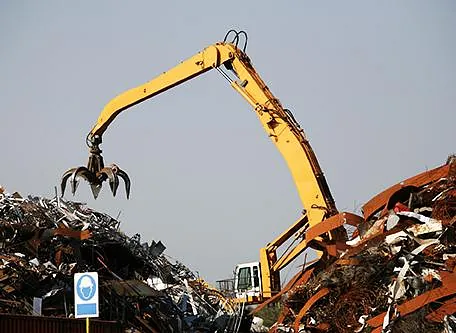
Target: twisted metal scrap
45	241
357	284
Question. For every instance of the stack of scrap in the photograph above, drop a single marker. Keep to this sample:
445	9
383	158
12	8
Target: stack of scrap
396	274
43	242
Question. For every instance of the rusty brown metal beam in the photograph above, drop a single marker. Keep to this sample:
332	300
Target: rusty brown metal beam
378	202
282	315
448	307
321	293
378	330
332	223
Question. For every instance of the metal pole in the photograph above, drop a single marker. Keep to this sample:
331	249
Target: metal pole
87	325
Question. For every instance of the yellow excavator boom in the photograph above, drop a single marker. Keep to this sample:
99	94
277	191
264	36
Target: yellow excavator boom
278	122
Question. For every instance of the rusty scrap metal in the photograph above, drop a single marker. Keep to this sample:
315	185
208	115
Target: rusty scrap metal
448	288
315	298
332	223
300	278
43	242
448	307
380	200
396	274
351	306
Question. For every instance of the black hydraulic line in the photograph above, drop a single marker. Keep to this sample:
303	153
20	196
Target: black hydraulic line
236	38
242	32
228	33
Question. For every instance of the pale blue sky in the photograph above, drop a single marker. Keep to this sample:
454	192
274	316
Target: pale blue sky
371	82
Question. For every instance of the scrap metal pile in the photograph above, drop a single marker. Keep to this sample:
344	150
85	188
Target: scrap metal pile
43	242
397	273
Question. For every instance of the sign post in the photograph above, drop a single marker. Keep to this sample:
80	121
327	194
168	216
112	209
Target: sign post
86	301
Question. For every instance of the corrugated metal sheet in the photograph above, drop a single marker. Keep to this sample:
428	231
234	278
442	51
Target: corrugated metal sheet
21	324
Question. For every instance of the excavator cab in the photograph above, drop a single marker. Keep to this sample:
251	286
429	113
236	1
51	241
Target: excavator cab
247	280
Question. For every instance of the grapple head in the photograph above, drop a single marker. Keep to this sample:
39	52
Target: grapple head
95	173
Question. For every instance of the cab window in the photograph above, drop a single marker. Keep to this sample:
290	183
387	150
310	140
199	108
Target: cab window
256	277
244	279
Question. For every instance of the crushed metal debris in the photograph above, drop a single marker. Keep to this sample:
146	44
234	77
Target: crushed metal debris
398	272
43	242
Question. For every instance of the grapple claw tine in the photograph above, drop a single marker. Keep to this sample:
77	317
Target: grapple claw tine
95	190
65	177
74	184
112	177
73	175
122	174
114	184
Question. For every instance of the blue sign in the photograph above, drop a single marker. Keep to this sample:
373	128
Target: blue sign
86	294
